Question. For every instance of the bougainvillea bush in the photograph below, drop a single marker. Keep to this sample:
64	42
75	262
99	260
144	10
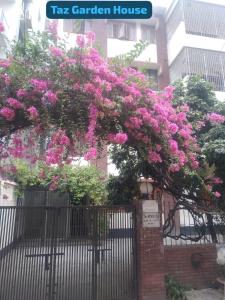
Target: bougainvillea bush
77	101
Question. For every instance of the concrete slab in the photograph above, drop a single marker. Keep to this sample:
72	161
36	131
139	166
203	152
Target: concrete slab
207	294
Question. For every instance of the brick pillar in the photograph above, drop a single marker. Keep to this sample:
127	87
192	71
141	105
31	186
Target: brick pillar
101	163
150	260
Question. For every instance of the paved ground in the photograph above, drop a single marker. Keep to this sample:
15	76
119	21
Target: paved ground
208	294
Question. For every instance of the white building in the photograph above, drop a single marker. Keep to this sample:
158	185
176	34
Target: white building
196	41
19	16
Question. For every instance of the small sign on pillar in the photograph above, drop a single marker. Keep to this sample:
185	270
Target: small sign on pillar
150	214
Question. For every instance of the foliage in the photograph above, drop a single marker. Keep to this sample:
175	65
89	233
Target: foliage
201	100
122	189
78	101
174	290
128	58
84	184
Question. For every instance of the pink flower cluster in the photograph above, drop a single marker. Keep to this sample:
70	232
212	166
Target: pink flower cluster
217	180
5	63
120	106
40	85
91	154
154	157
33	113
14	103
7	113
56	52
53	27
119	138
216	118
21	93
93	114
50	97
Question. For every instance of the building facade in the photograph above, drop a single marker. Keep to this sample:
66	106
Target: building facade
18	16
196	41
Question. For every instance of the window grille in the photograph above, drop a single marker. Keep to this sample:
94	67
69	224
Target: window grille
122	31
204	19
148	34
74	26
208	64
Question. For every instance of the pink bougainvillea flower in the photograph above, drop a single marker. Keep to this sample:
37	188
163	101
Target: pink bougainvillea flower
174	168
80	41
93	114
14	103
2	27
91	154
53	27
40	85
217	194
5	63
7	113
21	93
216	118
173	146
184	133
217	180
33	112
173	128
169	92
51	97
120	138
64	140
90	37
154	157
55	51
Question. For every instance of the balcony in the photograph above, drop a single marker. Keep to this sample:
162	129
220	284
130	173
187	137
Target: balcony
117	47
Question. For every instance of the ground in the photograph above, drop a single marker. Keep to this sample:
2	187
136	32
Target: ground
208	294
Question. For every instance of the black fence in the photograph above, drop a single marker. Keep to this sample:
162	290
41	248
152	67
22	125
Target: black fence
69	253
183	227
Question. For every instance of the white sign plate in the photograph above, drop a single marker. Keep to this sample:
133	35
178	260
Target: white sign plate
150	220
150	206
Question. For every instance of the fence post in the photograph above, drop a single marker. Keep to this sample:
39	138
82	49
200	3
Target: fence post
150	253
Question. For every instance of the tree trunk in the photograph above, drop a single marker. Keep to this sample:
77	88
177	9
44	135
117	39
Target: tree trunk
211	228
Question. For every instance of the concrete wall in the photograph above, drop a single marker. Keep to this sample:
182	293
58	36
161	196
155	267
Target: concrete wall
7	193
7	217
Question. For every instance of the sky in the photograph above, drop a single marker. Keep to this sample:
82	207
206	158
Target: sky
164	3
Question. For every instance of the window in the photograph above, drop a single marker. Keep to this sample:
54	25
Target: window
208	64
74	26
148	34
153	78
122	31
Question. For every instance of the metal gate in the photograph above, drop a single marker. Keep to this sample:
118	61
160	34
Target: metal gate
67	253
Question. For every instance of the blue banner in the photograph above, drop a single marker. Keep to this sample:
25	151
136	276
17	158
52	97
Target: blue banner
99	9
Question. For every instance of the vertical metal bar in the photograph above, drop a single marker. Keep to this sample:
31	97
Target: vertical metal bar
94	253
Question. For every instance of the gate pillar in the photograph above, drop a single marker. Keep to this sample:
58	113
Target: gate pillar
150	252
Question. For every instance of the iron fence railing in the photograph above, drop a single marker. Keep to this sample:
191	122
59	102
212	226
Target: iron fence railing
183	227
55	253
